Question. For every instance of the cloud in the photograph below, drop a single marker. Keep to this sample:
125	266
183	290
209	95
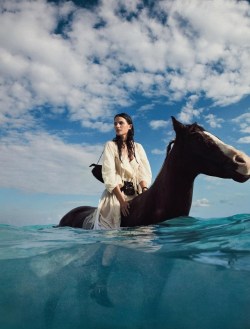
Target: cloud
243	121
245	128
146	108
91	62
158	151
244	140
40	67
101	126
41	163
188	112
201	203
213	120
245	117
157	124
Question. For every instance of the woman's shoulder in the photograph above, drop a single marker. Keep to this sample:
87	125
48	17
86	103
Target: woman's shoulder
110	144
138	146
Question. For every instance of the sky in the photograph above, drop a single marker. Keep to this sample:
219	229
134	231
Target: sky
67	67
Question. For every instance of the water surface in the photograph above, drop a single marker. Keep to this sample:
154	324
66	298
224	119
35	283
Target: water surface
186	273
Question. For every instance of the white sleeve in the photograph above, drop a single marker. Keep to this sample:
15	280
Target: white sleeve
109	173
145	173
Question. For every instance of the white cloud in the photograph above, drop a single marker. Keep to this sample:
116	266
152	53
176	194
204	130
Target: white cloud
92	70
245	129
40	163
245	117
157	124
39	67
213	120
201	203
101	126
158	151
188	112
146	108
244	140
244	123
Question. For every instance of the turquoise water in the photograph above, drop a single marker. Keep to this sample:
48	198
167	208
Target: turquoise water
186	273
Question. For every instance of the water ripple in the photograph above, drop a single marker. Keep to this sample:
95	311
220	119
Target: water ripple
219	241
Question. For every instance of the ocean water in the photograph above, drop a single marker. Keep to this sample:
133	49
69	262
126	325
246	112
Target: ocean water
186	273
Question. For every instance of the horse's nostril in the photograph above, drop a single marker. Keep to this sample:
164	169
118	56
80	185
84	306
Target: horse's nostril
239	159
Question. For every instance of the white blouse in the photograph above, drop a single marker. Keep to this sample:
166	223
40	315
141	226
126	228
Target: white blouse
115	172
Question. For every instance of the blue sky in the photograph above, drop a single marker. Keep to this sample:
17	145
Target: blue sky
67	67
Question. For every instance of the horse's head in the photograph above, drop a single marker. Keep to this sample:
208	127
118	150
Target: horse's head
207	154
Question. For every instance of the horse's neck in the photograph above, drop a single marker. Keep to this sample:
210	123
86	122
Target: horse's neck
173	187
170	196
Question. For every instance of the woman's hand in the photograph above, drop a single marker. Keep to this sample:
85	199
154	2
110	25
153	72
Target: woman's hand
124	208
143	185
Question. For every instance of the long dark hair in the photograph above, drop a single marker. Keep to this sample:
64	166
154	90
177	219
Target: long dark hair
130	138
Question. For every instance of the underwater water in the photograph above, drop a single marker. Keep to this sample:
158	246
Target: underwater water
186	273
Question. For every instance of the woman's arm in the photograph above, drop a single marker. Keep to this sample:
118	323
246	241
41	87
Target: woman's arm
123	204
110	177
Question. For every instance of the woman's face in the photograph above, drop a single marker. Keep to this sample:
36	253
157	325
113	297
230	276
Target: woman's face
121	127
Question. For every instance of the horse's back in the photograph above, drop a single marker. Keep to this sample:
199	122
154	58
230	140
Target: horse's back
76	216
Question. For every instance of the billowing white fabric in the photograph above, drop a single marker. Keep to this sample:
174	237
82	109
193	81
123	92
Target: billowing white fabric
115	172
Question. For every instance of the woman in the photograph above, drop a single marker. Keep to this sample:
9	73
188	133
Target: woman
123	161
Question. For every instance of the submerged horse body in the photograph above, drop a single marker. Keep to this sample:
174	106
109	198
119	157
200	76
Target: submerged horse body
194	151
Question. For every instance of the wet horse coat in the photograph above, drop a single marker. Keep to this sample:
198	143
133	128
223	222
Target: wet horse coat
195	151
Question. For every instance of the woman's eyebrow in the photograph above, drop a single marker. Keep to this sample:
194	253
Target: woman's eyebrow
120	122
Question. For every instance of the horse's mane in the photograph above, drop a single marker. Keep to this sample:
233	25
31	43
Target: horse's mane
192	128
170	146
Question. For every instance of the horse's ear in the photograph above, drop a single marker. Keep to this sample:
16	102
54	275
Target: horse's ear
178	126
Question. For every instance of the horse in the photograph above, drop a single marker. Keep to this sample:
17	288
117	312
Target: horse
194	151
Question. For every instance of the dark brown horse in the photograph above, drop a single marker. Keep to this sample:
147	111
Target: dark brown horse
194	152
